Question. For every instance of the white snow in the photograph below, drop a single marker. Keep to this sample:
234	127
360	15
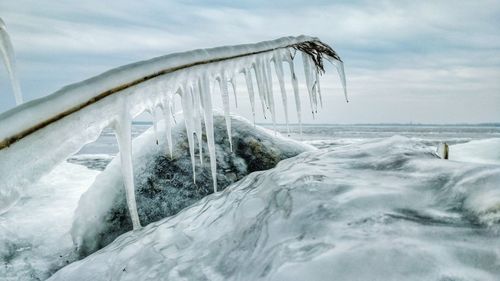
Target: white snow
34	234
8	57
382	209
485	151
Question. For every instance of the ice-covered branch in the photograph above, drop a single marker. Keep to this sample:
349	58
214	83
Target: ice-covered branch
7	53
37	135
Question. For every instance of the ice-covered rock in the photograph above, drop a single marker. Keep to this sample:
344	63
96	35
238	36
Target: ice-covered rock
164	185
378	210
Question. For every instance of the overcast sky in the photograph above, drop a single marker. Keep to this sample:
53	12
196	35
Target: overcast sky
406	61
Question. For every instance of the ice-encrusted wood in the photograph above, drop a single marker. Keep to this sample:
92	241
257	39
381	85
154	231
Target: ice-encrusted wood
63	122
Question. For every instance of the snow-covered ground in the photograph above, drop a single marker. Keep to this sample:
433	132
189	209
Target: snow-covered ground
378	210
34	234
366	207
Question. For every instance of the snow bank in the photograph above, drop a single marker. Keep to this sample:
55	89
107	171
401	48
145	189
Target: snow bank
485	151
34	237
385	209
164	185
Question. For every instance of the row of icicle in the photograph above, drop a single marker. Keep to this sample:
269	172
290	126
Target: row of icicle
196	102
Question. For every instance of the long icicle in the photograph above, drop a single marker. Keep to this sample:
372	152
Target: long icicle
270	94
168	123
318	88
209	125
340	69
187	109
278	66
197	119
225	103
154	113
295	85
123	130
248	79
233	83
260	86
307	71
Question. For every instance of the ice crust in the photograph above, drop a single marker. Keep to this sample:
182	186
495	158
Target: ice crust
194	83
387	209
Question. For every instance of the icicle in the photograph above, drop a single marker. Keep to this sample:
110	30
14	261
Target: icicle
260	85
265	84
295	84
7	52
270	94
233	83
154	114
123	133
168	124
225	103
278	67
340	69
187	109
197	119
248	78
309	81
206	96
318	88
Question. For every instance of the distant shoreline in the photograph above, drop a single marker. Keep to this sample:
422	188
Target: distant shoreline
494	125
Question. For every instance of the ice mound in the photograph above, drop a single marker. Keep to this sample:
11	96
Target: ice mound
485	151
378	210
164	185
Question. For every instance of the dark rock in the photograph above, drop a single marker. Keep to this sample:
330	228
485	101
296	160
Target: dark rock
164	184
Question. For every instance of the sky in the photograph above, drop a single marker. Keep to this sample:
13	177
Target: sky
405	61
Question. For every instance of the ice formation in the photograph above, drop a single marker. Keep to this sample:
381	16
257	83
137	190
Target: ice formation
76	114
7	52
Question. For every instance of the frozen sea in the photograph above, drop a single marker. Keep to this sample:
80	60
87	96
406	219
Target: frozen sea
372	203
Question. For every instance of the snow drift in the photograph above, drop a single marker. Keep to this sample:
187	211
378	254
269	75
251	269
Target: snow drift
386	208
164	184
